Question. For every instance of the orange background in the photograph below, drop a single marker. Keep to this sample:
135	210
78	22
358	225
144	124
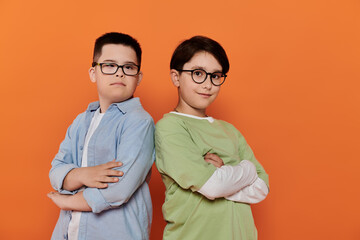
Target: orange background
292	91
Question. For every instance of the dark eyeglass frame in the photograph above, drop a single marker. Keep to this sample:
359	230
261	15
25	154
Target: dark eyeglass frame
117	69
211	75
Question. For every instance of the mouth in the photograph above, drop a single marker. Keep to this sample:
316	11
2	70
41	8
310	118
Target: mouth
206	95
117	84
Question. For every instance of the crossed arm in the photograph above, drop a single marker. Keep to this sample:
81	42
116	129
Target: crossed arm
236	183
245	182
97	177
106	187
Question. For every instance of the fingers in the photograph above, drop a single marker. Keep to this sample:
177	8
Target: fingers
208	160
101	175
50	195
210	156
114	173
106	179
102	182
112	164
213	159
53	195
215	163
101	185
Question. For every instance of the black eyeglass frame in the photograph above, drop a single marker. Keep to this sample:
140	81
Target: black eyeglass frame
211	74
117	69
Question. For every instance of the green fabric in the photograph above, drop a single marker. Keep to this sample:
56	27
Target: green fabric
181	143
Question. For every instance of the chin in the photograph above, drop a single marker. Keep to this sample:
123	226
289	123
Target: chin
205	105
201	107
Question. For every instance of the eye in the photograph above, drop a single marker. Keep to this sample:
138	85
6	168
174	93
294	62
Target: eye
130	66
216	76
198	73
109	65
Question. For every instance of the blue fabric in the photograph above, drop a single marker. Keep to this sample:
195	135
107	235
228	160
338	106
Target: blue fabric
123	210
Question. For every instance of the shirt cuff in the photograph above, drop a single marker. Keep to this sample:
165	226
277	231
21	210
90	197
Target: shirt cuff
58	175
95	200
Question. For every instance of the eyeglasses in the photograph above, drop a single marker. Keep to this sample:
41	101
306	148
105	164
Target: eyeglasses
112	68
199	76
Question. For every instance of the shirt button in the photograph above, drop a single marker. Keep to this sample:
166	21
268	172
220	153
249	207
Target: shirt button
81	148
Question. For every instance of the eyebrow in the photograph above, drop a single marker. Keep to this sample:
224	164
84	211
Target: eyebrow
202	68
109	60
114	61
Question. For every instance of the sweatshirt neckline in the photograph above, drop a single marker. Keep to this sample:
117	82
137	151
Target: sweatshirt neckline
210	119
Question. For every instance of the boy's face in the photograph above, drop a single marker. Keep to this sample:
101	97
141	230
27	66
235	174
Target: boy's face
117	87
193	96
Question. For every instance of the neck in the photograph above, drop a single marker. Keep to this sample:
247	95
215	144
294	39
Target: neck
104	105
183	108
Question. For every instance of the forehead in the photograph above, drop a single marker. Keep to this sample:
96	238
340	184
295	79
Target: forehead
204	60
118	53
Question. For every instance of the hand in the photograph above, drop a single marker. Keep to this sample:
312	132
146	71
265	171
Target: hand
74	202
213	159
98	176
59	199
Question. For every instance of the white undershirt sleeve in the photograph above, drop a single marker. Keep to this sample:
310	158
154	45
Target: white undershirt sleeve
228	180
253	193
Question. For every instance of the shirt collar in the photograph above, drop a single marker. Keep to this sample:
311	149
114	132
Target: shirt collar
210	119
124	106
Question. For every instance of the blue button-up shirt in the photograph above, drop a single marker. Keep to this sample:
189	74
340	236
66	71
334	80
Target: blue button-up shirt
123	210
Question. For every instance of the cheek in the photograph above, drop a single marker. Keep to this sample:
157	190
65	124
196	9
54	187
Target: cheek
187	86
102	86
217	90
187	91
132	84
97	76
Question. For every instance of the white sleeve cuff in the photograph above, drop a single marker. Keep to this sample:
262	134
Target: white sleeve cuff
254	193
228	180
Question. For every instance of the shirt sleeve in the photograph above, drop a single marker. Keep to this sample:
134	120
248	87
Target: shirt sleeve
63	163
253	193
228	180
136	152
178	157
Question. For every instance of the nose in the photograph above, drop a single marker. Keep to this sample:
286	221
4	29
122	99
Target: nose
120	74
207	83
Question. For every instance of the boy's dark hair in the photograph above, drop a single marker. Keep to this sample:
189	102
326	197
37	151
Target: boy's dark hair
116	38
188	48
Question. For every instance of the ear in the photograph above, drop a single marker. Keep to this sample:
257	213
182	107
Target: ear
175	76
140	76
92	74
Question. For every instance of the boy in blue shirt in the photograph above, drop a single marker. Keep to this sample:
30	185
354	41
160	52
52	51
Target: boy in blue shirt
101	169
